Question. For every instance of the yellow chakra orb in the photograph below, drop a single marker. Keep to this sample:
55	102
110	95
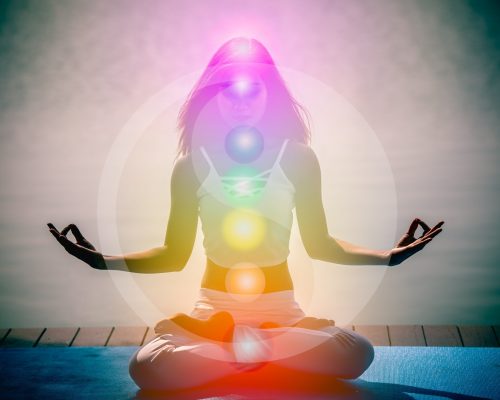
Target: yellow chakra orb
245	279
243	229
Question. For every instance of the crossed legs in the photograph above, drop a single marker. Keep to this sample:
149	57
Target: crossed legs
176	360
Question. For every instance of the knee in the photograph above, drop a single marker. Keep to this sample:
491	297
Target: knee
140	371
150	373
363	354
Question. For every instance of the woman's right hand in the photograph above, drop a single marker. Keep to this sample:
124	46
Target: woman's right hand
82	249
409	244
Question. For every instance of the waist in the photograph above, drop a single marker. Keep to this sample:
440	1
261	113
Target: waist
247	278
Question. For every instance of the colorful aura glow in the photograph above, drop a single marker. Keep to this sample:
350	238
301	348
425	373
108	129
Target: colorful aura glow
244	144
243	185
271	124
236	122
245	279
243	229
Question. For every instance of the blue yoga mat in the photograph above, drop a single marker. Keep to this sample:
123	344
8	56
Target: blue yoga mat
396	373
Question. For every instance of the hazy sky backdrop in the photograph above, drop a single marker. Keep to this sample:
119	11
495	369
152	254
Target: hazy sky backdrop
406	96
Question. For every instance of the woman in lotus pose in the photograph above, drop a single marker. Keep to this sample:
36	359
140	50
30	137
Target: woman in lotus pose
244	163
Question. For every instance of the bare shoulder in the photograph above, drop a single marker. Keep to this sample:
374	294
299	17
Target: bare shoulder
299	162
183	173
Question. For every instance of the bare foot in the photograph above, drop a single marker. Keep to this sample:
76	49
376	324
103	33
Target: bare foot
306	322
269	325
218	327
314	323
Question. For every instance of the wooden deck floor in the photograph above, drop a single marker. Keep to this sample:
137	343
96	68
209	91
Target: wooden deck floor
379	335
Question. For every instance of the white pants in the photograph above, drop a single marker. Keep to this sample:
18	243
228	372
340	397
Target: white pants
179	359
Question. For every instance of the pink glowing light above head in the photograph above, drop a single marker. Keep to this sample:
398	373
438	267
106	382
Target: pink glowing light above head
242	85
242	48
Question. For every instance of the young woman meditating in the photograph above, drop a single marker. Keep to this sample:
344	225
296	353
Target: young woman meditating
244	163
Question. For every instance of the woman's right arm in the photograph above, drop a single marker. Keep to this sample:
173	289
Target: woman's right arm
179	240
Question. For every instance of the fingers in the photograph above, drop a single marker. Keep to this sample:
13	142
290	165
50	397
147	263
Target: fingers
437	227
65	231
53	230
76	233
413	227
54	233
436	230
433	234
424	226
71	227
63	240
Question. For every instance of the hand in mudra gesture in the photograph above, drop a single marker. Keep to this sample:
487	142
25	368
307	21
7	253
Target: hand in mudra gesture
82	249
409	244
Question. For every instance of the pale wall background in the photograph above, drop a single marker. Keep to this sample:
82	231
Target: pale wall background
423	74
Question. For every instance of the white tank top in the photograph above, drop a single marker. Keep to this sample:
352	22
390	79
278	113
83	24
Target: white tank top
264	222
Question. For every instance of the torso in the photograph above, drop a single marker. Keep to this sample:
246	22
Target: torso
247	280
262	279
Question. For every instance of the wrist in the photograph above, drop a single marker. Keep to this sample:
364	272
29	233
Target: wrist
386	257
100	262
114	263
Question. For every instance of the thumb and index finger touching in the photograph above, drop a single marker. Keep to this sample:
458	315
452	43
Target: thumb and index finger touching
427	230
61	235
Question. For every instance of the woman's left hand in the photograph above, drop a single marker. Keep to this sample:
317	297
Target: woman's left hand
409	245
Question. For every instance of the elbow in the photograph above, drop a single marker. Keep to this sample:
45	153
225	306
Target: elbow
178	265
179	262
327	250
314	251
171	260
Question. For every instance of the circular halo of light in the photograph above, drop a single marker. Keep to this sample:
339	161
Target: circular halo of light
245	282
133	130
244	144
243	229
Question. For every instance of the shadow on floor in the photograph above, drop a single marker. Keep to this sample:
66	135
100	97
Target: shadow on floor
311	389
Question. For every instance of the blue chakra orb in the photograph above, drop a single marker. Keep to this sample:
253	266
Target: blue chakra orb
244	144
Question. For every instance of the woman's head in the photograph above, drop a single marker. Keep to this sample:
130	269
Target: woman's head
243	87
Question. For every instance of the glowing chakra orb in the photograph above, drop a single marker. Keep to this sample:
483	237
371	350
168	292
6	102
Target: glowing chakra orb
250	345
244	144
243	185
245	279
242	86
243	229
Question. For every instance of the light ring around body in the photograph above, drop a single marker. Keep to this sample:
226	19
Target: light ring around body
324	302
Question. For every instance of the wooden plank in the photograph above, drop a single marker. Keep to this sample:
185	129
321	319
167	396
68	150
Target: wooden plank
57	337
92	336
376	334
127	336
478	336
150	335
442	335
406	335
22	337
496	329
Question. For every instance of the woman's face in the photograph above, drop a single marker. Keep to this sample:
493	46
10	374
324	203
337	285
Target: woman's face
242	98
